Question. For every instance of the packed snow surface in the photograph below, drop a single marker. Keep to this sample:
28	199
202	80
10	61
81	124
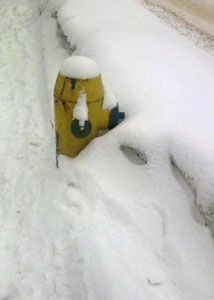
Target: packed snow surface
119	221
79	67
81	109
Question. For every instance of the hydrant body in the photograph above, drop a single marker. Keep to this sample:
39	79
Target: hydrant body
71	137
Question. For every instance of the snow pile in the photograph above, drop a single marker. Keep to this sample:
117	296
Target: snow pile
79	67
81	109
147	233
118	221
172	87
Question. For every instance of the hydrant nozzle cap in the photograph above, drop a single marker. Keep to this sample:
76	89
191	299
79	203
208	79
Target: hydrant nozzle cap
79	67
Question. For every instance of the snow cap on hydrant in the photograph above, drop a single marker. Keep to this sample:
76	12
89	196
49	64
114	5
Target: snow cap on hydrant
79	67
78	103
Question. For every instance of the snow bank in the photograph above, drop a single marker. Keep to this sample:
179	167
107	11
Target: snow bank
173	85
119	220
79	67
125	230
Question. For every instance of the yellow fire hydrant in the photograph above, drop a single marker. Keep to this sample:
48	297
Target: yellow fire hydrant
78	104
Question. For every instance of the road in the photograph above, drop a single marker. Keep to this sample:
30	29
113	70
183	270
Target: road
196	11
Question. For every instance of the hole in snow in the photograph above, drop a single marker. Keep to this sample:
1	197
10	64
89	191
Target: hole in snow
133	155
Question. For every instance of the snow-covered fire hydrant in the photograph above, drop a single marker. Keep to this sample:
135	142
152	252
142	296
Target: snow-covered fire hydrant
82	105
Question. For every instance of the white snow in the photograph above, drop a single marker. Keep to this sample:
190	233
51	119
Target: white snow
79	67
119	221
81	109
165	85
164	77
109	100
